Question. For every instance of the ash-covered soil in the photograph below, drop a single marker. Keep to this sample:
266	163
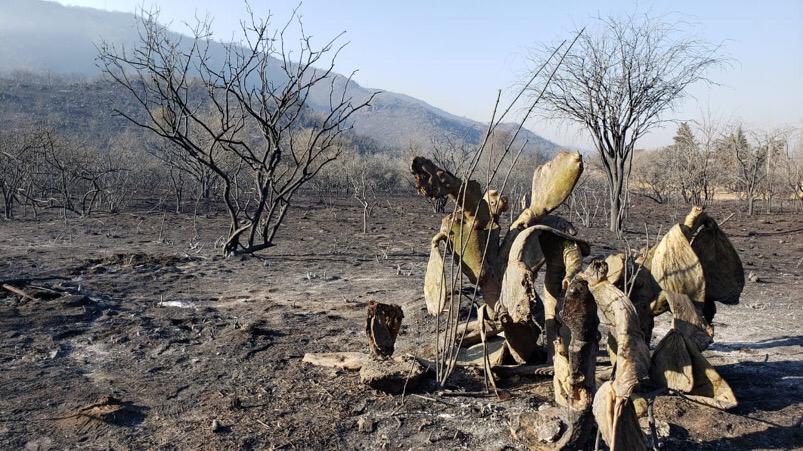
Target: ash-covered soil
140	336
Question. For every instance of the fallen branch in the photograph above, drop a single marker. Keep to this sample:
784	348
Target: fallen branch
467	394
340	360
19	292
726	219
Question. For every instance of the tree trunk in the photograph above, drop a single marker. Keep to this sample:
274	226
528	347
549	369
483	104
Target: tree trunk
234	224
178	201
284	205
365	217
9	204
616	169
614	224
616	204
178	188
263	200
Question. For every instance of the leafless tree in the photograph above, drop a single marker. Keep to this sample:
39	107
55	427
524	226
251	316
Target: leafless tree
251	105
777	150
689	163
751	160
361	188
653	174
618	81
183	170
18	150
587	198
792	169
78	174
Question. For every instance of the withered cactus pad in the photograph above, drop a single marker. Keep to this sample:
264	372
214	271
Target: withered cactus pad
687	320
432	181
722	267
627	345
554	181
677	269
435	281
678	365
382	325
518	283
616	419
504	269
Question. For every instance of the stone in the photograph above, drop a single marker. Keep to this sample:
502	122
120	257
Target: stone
662	428
216	426
365	425
339	360
549	430
392	375
543	426
76	300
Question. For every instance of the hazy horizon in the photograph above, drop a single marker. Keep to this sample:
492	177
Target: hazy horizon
457	56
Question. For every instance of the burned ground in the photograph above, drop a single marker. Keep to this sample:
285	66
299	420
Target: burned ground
202	351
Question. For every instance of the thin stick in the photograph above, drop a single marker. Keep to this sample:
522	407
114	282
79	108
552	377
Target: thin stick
451	352
263	424
726	219
18	292
404	389
638	270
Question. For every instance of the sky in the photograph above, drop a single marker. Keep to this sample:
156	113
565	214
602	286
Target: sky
455	55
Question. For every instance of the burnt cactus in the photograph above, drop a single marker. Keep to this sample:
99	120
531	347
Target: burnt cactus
505	268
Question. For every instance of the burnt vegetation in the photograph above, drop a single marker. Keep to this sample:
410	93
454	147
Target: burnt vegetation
202	250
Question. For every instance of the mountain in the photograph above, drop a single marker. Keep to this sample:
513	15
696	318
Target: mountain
44	37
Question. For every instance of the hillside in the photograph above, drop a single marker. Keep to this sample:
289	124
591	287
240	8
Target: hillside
47	38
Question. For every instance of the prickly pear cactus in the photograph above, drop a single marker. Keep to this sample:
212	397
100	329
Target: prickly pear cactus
503	267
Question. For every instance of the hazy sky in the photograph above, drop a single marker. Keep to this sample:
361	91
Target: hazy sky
455	55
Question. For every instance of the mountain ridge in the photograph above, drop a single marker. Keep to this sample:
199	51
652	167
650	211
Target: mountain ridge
46	37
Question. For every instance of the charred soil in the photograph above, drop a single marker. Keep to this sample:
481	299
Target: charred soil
134	333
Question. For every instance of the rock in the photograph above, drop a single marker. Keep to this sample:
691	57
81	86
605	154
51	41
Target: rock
365	425
76	300
339	360
753	277
39	444
549	431
391	375
216	426
543	426
661	427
